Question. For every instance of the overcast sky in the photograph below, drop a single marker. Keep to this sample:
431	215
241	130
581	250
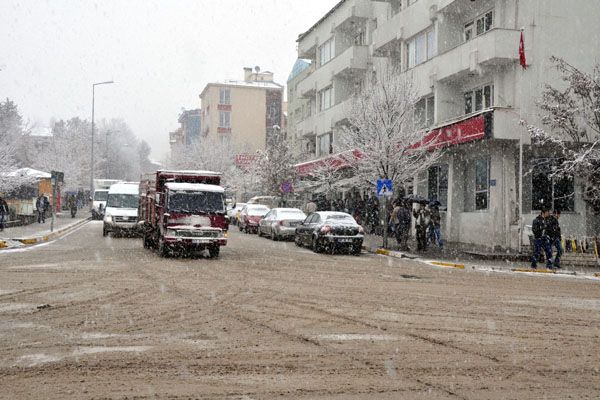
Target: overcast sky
159	53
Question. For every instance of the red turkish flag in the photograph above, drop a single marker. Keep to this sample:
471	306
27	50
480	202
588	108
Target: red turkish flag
522	58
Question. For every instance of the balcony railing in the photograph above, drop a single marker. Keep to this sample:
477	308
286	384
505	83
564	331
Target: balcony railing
353	58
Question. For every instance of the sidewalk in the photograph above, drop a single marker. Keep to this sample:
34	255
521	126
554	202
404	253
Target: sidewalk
36	233
453	255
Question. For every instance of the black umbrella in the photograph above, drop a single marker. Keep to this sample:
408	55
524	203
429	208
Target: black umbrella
415	198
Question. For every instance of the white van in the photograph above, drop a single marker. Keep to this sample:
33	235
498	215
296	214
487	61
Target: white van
121	212
101	187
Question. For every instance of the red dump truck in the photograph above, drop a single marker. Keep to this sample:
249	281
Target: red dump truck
183	211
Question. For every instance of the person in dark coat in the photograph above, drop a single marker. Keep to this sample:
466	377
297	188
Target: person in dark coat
555	236
435	226
422	219
3	212
40	207
541	241
403	221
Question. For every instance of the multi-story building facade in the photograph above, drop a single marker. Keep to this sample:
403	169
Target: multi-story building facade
242	113
463	58
191	125
298	110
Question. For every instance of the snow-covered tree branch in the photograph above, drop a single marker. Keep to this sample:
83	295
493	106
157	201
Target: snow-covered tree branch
572	119
383	127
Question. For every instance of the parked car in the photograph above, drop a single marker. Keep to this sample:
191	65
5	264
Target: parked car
250	217
234	213
281	223
269	201
330	231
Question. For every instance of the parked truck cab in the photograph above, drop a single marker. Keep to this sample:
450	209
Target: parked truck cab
184	211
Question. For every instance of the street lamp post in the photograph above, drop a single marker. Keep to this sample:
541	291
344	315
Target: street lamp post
92	158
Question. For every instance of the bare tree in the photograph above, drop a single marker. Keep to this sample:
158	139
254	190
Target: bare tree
572	119
275	165
383	127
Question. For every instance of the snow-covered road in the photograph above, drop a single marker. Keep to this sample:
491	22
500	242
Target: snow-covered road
89	317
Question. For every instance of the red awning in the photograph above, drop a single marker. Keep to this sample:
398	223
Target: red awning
467	130
334	161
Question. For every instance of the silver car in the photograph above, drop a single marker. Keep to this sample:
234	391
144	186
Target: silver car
281	223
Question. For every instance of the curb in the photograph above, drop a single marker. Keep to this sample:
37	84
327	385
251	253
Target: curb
447	265
535	271
45	238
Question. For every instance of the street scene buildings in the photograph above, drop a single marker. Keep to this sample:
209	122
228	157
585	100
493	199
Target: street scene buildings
413	214
463	58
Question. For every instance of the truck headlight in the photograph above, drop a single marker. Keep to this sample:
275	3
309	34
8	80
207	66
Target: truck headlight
108	219
171	232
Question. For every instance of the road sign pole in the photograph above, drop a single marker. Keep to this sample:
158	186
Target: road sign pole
385	224
54	181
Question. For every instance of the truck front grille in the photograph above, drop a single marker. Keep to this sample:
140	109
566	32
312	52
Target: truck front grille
199	233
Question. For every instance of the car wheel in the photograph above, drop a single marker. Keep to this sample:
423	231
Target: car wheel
297	241
214	251
315	245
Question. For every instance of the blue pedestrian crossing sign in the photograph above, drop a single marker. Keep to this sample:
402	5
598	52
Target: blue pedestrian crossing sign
384	188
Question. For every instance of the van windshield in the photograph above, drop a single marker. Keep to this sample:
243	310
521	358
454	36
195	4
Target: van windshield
196	202
118	200
100	195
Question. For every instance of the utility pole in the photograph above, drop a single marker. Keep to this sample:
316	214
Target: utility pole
92	155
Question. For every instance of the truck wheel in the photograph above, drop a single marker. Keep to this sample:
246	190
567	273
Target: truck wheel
241	230
214	251
147	242
163	249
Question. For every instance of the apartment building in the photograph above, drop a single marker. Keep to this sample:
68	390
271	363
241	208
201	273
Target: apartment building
191	125
463	57
242	113
298	111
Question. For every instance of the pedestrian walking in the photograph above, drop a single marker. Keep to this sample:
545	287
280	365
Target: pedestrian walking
311	207
422	219
541	241
555	236
40	206
403	222
435	231
72	202
3	212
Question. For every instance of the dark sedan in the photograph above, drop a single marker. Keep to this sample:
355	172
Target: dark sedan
327	231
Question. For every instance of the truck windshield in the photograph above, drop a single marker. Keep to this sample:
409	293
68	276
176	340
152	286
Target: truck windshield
118	200
100	195
196	202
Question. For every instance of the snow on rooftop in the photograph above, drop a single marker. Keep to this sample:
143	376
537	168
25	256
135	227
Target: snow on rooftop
191	172
30	172
259	84
194	187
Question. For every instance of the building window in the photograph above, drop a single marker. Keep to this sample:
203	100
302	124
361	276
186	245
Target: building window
421	48
479	98
438	184
482	184
479	25
395	7
224	119
224	96
326	98
425	112
327	51
360	38
549	191
326	144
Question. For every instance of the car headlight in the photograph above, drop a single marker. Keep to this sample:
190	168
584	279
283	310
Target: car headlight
171	232
108	218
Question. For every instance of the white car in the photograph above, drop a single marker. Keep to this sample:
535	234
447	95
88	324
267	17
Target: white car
121	213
